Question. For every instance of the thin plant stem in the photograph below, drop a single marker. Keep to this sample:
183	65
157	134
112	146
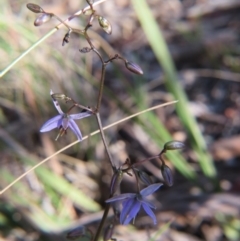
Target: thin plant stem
105	214
84	138
137	180
99	100
145	160
100	92
101	85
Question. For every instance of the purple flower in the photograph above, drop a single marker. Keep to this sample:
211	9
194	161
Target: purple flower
132	202
64	120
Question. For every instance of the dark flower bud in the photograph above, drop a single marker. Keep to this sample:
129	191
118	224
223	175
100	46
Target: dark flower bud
116	181
43	18
85	50
133	68
66	39
167	175
79	232
144	177
173	145
108	232
104	23
35	8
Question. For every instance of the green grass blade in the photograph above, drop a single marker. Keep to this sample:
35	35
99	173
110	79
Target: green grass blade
163	229
63	187
159	46
5	70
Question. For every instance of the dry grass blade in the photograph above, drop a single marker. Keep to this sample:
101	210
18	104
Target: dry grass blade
84	138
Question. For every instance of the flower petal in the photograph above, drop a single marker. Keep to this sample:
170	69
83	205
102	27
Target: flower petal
150	189
121	197
80	115
75	129
146	202
51	124
149	212
65	123
57	106
133	212
126	207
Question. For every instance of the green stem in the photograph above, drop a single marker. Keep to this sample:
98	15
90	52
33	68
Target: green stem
159	46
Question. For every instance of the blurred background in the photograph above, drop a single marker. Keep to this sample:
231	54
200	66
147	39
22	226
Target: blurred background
70	189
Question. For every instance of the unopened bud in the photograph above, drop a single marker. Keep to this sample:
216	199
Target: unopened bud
43	18
58	96
104	23
133	68
66	39
173	145
85	50
116	181
35	8
167	175
144	177
88	12
108	232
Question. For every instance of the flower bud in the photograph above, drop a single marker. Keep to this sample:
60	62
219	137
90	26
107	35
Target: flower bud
43	18
85	50
79	232
144	177
167	175
116	181
35	8
133	68
88	12
58	96
173	145
104	23
66	39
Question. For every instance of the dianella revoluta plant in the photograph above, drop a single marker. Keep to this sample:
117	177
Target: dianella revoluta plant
126	206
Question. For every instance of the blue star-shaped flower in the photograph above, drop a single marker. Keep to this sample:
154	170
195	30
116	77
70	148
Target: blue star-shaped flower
132	202
64	120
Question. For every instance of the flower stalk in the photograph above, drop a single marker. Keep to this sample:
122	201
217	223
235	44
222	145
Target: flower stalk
131	203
